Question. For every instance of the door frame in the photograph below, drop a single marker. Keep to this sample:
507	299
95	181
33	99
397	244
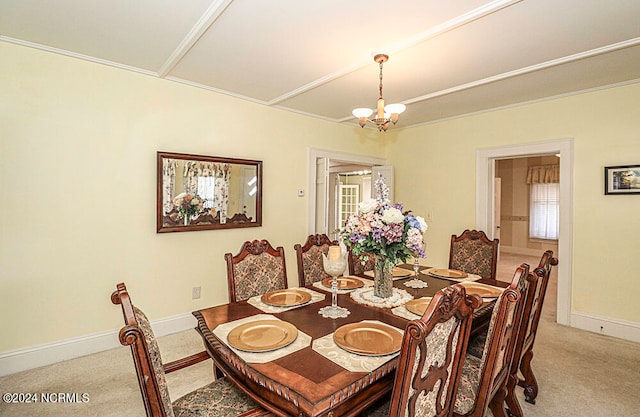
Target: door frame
485	172
315	153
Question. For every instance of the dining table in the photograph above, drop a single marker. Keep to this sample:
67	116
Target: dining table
312	376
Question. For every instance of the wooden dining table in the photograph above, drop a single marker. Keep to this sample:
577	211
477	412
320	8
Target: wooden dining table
306	383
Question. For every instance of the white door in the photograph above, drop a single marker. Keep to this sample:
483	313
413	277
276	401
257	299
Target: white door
387	174
497	195
348	198
322	195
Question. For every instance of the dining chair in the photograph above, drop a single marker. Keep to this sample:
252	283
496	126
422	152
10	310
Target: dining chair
256	269
431	358
309	258
359	264
474	253
528	329
221	398
483	381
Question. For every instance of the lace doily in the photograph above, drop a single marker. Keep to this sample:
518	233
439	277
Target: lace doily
416	283
365	296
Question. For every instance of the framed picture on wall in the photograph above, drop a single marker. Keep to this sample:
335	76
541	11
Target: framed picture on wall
623	179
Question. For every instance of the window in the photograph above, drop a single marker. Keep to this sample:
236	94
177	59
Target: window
544	211
347	202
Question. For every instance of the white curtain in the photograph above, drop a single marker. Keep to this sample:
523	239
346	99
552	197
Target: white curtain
544	211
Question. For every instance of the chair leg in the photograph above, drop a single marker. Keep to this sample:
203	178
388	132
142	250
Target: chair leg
513	404
497	405
529	383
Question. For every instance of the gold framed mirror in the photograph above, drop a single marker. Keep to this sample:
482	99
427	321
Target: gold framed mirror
197	192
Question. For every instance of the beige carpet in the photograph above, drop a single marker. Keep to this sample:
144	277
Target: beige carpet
580	374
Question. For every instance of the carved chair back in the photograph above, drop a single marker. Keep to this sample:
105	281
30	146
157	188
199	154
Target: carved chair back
529	327
473	252
360	264
431	358
137	334
493	369
256	269
309	258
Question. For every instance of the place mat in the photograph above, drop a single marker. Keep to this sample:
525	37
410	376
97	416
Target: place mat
469	277
222	331
320	286
398	273
402	311
257	302
351	361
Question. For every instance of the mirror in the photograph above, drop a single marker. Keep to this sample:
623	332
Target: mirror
198	192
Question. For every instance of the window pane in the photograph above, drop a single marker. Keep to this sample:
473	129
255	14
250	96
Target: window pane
544	213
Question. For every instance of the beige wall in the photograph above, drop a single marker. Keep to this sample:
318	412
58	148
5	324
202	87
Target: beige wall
515	201
435	172
78	146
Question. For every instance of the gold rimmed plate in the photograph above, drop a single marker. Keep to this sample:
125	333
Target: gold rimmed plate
447	273
418	306
286	298
344	283
400	272
483	290
262	335
371	339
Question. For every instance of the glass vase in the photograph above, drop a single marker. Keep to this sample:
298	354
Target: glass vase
383	278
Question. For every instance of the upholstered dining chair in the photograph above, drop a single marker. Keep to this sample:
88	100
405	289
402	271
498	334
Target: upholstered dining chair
256	269
360	264
473	252
483	381
431	358
309	258
527	336
219	399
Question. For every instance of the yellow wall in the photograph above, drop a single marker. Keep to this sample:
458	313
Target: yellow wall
435	172
78	143
78	146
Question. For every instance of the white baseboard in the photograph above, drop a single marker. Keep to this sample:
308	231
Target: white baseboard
46	354
523	251
621	329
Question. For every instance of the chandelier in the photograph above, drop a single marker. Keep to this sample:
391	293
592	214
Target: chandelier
384	114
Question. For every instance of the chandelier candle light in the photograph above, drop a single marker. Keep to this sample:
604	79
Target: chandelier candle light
334	263
384	114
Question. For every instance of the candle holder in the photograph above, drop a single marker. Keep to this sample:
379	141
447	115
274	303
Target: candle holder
334	265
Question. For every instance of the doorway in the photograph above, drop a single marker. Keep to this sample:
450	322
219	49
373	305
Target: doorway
324	166
485	173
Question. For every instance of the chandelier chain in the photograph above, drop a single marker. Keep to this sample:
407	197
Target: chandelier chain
380	79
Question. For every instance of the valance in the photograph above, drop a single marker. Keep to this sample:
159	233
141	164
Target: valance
543	174
206	169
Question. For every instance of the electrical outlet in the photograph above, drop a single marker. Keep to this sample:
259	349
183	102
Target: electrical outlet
300	193
195	293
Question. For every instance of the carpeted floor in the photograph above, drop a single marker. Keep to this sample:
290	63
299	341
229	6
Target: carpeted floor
580	374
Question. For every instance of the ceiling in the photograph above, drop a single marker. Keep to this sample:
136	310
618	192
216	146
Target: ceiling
447	58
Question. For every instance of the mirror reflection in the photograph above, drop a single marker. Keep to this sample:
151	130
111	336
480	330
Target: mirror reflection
204	192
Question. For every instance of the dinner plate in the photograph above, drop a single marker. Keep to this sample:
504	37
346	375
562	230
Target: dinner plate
286	298
262	335
344	283
447	273
418	306
371	339
483	290
401	272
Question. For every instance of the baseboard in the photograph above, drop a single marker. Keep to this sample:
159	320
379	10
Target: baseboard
523	251
46	354
622	329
